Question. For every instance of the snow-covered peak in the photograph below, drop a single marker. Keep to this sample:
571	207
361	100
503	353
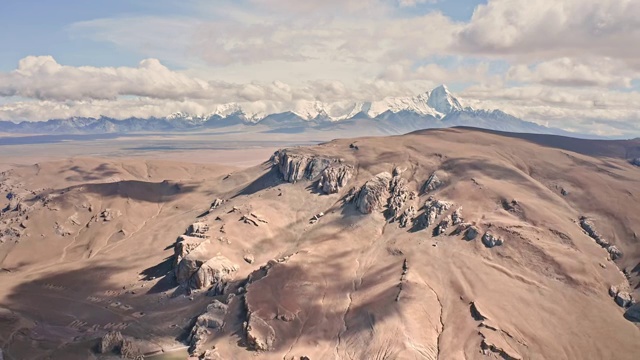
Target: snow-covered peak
443	101
185	116
417	104
437	103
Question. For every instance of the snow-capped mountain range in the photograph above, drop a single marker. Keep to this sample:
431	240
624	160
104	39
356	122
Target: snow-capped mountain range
433	109
437	103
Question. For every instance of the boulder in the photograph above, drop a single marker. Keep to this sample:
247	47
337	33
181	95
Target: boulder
216	272
471	233
432	184
216	203
374	193
249	258
198	229
490	240
613	291
633	313
623	299
441	228
333	178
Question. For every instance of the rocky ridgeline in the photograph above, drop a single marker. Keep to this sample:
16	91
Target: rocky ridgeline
588	226
332	174
392	191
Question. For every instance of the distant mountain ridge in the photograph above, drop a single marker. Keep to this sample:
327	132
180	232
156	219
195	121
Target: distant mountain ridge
394	115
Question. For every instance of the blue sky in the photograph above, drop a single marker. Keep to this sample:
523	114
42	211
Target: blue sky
547	61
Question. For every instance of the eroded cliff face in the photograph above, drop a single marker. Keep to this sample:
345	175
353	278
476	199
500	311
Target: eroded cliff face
332	174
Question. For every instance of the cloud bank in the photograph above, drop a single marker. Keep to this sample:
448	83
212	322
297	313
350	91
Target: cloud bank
569	64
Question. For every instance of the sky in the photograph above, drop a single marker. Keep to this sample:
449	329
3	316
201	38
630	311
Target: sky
572	64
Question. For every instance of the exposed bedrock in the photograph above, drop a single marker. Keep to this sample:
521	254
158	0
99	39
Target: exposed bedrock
212	320
399	194
588	226
433	210
432	184
334	178
334	173
374	193
491	240
203	267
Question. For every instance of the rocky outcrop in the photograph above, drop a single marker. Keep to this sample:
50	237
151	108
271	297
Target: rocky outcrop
490	240
476	313
212	320
432	184
456	217
260	335
109	214
622	297
114	342
487	346
407	217
202	267
214	273
293	167
109	342
614	252
471	233
198	229
374	193
633	313
183	246
441	227
334	178
399	194
636	161
315	218
15	204
433	210
588	226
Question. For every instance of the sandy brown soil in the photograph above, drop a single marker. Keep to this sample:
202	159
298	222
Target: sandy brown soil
349	286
